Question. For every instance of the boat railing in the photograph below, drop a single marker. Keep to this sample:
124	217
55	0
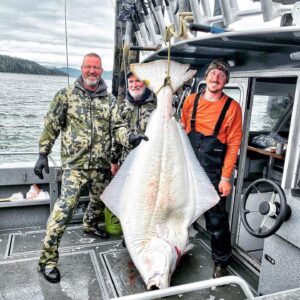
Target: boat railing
21	154
185	288
17	178
231	13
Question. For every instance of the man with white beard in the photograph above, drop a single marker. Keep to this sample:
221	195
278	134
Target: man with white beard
135	111
86	116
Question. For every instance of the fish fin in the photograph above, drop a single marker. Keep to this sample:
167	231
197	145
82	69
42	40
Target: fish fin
112	195
201	191
154	73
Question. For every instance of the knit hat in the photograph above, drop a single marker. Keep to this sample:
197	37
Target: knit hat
219	64
129	73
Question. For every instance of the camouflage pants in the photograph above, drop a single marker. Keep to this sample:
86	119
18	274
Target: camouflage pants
72	183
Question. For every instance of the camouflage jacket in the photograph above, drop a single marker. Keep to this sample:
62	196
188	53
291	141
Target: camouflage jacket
135	115
87	121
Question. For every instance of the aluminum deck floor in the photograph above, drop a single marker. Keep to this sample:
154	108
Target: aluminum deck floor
92	268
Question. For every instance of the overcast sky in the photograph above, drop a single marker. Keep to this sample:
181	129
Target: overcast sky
35	29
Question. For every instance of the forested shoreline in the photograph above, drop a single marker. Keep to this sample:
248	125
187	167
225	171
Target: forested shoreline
9	64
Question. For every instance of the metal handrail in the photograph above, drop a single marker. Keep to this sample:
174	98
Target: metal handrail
19	153
31	153
24	153
200	285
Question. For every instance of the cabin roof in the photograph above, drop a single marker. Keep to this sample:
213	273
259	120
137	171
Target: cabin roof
247	50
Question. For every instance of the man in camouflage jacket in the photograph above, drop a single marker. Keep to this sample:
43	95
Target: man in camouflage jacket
135	111
86	116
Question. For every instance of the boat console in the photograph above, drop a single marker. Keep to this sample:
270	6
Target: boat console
281	255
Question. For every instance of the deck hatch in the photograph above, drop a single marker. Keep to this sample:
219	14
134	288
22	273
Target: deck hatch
80	279
31	241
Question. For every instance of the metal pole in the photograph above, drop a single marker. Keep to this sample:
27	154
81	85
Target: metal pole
272	10
160	20
170	11
173	5
66	35
217	18
149	23
206	8
175	14
249	12
156	39
184	6
226	12
126	46
267	10
200	285
127	35
144	34
234	5
196	11
138	37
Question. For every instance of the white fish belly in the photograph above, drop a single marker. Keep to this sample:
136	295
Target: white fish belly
161	187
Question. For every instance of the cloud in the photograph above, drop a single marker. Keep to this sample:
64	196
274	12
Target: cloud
35	30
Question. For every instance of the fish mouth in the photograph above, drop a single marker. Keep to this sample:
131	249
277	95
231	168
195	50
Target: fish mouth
157	282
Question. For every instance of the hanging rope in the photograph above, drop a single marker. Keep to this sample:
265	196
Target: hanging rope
66	36
170	32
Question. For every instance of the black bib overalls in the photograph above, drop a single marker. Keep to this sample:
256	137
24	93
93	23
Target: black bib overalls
211	153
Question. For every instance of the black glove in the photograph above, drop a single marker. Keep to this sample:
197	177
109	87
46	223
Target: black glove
42	163
135	139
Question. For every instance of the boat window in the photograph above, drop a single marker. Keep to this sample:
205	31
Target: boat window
233	92
269	128
267	111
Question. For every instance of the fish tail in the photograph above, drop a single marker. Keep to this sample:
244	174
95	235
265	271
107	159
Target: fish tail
158	73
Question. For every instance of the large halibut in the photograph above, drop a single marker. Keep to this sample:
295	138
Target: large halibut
161	189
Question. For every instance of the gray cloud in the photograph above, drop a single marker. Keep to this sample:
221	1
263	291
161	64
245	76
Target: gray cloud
35	30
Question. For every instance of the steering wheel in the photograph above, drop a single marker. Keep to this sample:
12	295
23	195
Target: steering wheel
275	212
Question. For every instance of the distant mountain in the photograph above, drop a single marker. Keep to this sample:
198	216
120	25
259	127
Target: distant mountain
71	71
76	72
107	75
9	64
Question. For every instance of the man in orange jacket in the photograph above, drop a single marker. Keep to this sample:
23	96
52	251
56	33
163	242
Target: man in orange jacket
213	122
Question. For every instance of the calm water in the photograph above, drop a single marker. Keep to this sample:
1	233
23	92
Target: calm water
24	100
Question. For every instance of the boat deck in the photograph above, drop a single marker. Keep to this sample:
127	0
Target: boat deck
92	268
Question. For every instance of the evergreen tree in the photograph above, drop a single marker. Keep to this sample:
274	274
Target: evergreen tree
10	64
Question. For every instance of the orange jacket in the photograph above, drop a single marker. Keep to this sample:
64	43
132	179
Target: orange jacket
207	116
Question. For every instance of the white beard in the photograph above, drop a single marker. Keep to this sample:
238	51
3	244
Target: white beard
137	94
90	82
